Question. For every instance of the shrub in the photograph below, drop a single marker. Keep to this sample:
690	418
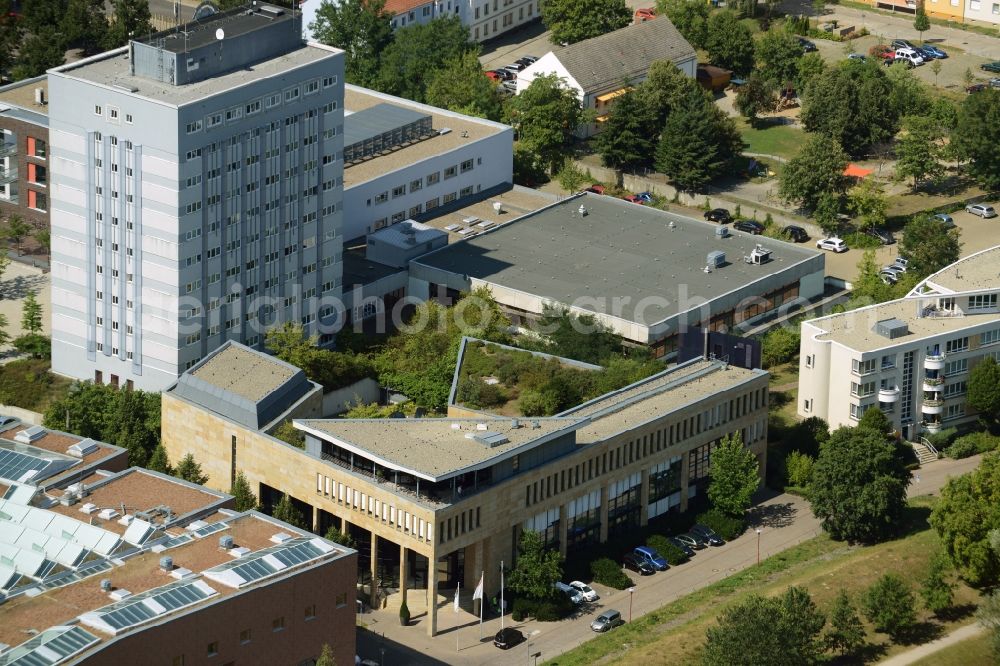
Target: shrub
607	572
971	444
799	468
941	440
521	609
725	526
863	241
667	550
890	606
533	403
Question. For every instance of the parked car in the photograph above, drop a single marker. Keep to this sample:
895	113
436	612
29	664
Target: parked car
832	244
646	196
641	567
982	210
692	541
901	44
504	75
509	86
991	66
933	51
644	14
807	46
749	226
857	56
507	638
889	62
995	82
708	534
911	55
882	235
652	558
587	592
571	592
527	61
516	67
606	621
595	188
796	233
945	220
901	264
888	277
688	550
882	51
493	76
720	215
8	420
634	198
975	87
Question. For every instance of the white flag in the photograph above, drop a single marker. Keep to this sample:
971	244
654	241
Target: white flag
457	588
478	594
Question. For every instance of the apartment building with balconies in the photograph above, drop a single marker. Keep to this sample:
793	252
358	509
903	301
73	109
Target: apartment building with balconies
24	155
910	357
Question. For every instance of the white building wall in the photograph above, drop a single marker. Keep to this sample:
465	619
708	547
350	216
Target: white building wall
987	11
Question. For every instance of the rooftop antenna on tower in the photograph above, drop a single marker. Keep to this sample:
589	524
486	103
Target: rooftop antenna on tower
220	34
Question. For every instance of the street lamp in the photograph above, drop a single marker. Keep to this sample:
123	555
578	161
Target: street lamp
758	545
630	591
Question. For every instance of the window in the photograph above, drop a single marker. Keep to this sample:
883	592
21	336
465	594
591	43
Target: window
466	166
958	367
245	636
862	390
863	367
278	623
312	87
253	107
310	612
807	405
957	345
234	114
888	361
291	94
989	337
98	111
954	412
857	411
982	302
433	178
465	191
450	172
194	127
398	191
341	599
810	360
213	649
381	198
128	120
953	389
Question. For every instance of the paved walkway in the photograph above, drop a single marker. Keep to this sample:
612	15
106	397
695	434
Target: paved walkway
921	651
785	520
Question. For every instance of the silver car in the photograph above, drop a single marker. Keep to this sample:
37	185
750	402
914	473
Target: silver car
607	621
982	210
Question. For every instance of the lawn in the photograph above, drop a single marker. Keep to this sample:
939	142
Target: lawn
29	384
975	650
783	141
674	634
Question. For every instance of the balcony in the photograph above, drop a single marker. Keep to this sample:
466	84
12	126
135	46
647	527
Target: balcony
890	394
8	149
933	383
931	426
934	361
932	406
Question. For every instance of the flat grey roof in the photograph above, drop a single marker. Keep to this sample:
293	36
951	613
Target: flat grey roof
234	23
377	120
618	249
972	273
359	270
111	69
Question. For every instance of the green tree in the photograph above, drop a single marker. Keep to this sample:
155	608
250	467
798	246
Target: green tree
964	517
31	314
849	104
699	142
581	337
461	86
41	50
243	495
84	23
627	139
867	202
846	634
918	150
811	68
419	50
285	511
326	656
130	19
289	434
908	94
664	86
818	169
190	470
159	462
778	52
16	230
544	117
984	388
361	28
928	245
755	97
869	508
780	345
730	43
572	21
799	467
734	476
690	17
937	591
571	178
290	343
869	287
343	538
827	212
977	134
781	631
890	606
877	422
921	23
537	569
935	69
43	236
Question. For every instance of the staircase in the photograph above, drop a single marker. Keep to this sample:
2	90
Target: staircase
925	451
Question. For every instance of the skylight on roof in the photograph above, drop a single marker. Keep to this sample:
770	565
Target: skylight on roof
53	646
141	608
268	562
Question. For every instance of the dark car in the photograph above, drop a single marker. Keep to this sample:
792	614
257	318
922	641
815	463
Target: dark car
641	567
507	638
749	226
975	87
934	51
807	46
692	541
901	44
720	215
883	236
503	74
708	534
688	550
991	66
796	233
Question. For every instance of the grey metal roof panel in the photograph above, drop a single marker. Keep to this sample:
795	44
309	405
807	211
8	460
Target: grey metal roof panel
377	120
624	54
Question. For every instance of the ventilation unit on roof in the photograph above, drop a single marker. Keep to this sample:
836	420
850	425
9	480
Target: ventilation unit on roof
722	232
759	255
82	448
107	514
119	594
514	423
225	541
715	259
88	508
166	563
488	437
444	130
481	426
239	552
105	584
29	435
280	537
891	328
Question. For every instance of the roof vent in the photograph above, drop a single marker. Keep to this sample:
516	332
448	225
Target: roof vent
456	426
514	423
444	130
31	434
672	225
40	96
119	594
88	508
481	427
83	448
535	425
715	259
180	573
105	585
891	328
280	537
722	232
107	514
166	563
582	210
226	541
239	552
489	437
759	255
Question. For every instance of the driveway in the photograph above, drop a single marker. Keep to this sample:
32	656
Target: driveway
784	520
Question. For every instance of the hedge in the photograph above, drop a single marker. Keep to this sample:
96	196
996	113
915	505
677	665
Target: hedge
545	610
725	526
971	444
608	572
667	550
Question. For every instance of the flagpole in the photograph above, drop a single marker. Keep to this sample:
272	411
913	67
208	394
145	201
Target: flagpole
458	589
501	595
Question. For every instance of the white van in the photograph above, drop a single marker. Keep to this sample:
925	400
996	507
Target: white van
910	55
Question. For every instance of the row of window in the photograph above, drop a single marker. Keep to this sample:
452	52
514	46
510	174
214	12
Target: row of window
508	20
113	114
254	107
431	179
360	501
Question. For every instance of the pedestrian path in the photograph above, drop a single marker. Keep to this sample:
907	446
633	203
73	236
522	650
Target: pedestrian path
921	651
